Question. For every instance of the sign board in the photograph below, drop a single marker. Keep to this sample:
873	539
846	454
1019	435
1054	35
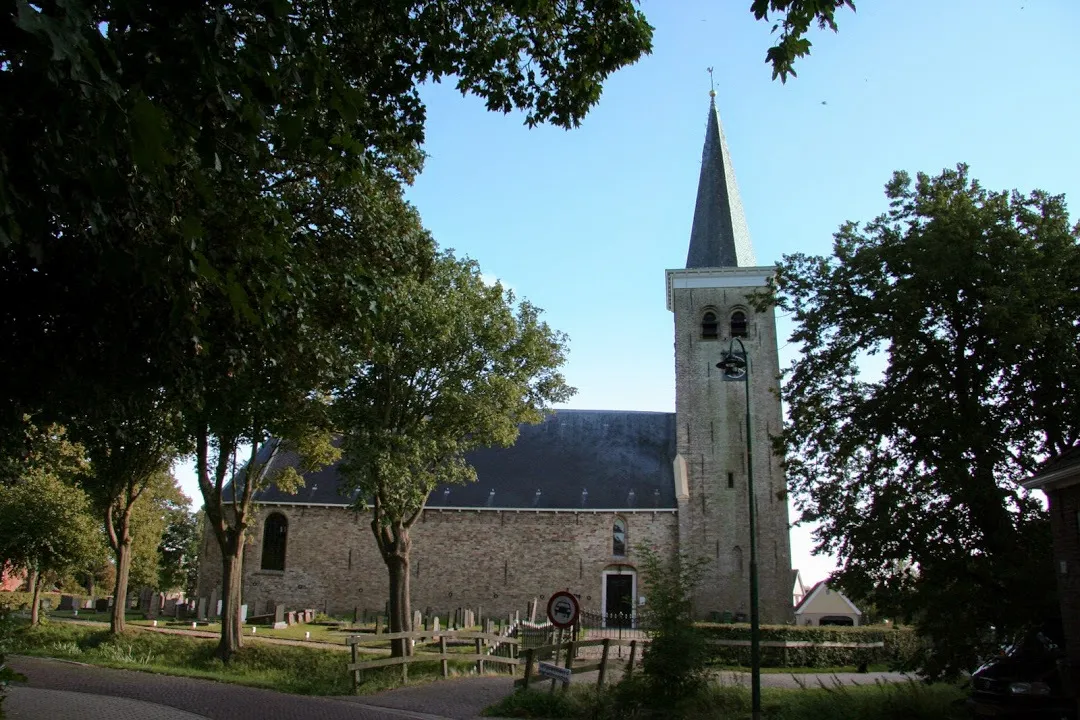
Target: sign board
563	609
554	672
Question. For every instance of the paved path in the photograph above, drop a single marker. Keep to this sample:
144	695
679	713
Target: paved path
57	689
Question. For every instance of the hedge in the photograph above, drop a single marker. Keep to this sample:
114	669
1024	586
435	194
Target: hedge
898	649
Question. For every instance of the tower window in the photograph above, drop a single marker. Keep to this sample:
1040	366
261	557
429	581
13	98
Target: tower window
737	557
275	535
618	538
709	326
731	480
738	324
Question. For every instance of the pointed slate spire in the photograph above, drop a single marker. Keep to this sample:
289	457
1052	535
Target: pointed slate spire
720	236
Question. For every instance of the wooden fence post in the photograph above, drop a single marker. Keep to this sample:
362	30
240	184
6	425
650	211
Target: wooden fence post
603	663
442	651
570	652
479	651
356	673
530	654
630	665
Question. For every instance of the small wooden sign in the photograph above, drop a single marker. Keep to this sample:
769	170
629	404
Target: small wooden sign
555	672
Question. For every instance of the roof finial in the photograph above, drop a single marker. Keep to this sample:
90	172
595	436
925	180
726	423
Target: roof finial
712	88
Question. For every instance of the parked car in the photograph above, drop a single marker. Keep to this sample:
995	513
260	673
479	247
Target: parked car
1026	681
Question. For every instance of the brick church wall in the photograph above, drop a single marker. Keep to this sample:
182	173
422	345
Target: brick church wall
497	560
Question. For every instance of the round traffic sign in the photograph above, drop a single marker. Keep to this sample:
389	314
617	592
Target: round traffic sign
563	609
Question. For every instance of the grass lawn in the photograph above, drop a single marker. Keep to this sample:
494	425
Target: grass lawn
902	701
302	670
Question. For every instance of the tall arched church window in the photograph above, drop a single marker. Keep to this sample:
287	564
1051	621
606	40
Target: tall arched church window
618	538
709	326
275	537
738	324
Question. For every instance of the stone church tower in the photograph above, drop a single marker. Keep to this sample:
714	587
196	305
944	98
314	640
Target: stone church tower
711	305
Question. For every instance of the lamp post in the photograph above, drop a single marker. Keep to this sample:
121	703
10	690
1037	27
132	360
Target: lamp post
736	367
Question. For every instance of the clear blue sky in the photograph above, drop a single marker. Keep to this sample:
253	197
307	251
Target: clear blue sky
584	223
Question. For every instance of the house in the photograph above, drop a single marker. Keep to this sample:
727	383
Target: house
798	590
1060	480
825	606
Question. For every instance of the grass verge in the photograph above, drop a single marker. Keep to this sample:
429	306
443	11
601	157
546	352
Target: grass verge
286	668
901	701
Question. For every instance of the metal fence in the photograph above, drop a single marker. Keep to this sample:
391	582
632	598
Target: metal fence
617	626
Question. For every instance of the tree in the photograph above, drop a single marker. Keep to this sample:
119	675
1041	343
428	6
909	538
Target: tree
179	549
798	16
452	367
160	505
130	441
46	527
969	298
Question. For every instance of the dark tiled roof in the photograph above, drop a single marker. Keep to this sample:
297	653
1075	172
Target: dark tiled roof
574	459
720	236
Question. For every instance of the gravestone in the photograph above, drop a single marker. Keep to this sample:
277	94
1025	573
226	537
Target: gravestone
379	625
417	620
169	608
68	602
435	626
532	610
279	617
152	607
215	606
88	603
309	615
144	600
201	613
102	605
217	609
470	619
356	614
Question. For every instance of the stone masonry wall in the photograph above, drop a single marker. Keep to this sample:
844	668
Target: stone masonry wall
497	560
711	417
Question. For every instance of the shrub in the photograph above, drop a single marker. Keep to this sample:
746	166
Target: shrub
675	661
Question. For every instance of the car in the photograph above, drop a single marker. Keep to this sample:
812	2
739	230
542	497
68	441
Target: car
1026	681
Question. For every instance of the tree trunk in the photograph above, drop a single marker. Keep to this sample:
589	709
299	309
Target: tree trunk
31	579
35	602
400	607
120	589
232	560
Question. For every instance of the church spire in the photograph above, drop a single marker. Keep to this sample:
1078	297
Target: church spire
720	237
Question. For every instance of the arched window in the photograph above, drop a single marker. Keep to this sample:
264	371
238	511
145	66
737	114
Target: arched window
737	552
275	535
738	324
709	326
618	538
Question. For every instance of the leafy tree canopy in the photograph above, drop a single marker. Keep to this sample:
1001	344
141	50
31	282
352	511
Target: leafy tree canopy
455	364
794	19
969	299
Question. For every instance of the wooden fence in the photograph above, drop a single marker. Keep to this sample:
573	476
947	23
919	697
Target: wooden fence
480	657
569	651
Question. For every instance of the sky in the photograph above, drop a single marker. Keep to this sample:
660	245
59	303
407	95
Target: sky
584	222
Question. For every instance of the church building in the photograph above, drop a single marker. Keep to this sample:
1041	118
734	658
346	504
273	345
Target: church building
566	505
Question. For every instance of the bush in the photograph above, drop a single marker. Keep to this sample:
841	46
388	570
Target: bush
899	650
675	660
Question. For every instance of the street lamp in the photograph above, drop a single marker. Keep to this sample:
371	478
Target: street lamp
737	367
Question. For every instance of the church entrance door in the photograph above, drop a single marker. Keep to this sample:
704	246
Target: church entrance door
619	599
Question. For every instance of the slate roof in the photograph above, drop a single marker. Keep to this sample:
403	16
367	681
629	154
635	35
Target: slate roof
720	236
573	460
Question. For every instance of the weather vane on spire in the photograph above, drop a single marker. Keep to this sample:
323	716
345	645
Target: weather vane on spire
712	88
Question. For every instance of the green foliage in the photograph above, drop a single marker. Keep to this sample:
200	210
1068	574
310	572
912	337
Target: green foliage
900	648
968	299
159	506
797	17
455	364
181	542
675	659
883	701
46	525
